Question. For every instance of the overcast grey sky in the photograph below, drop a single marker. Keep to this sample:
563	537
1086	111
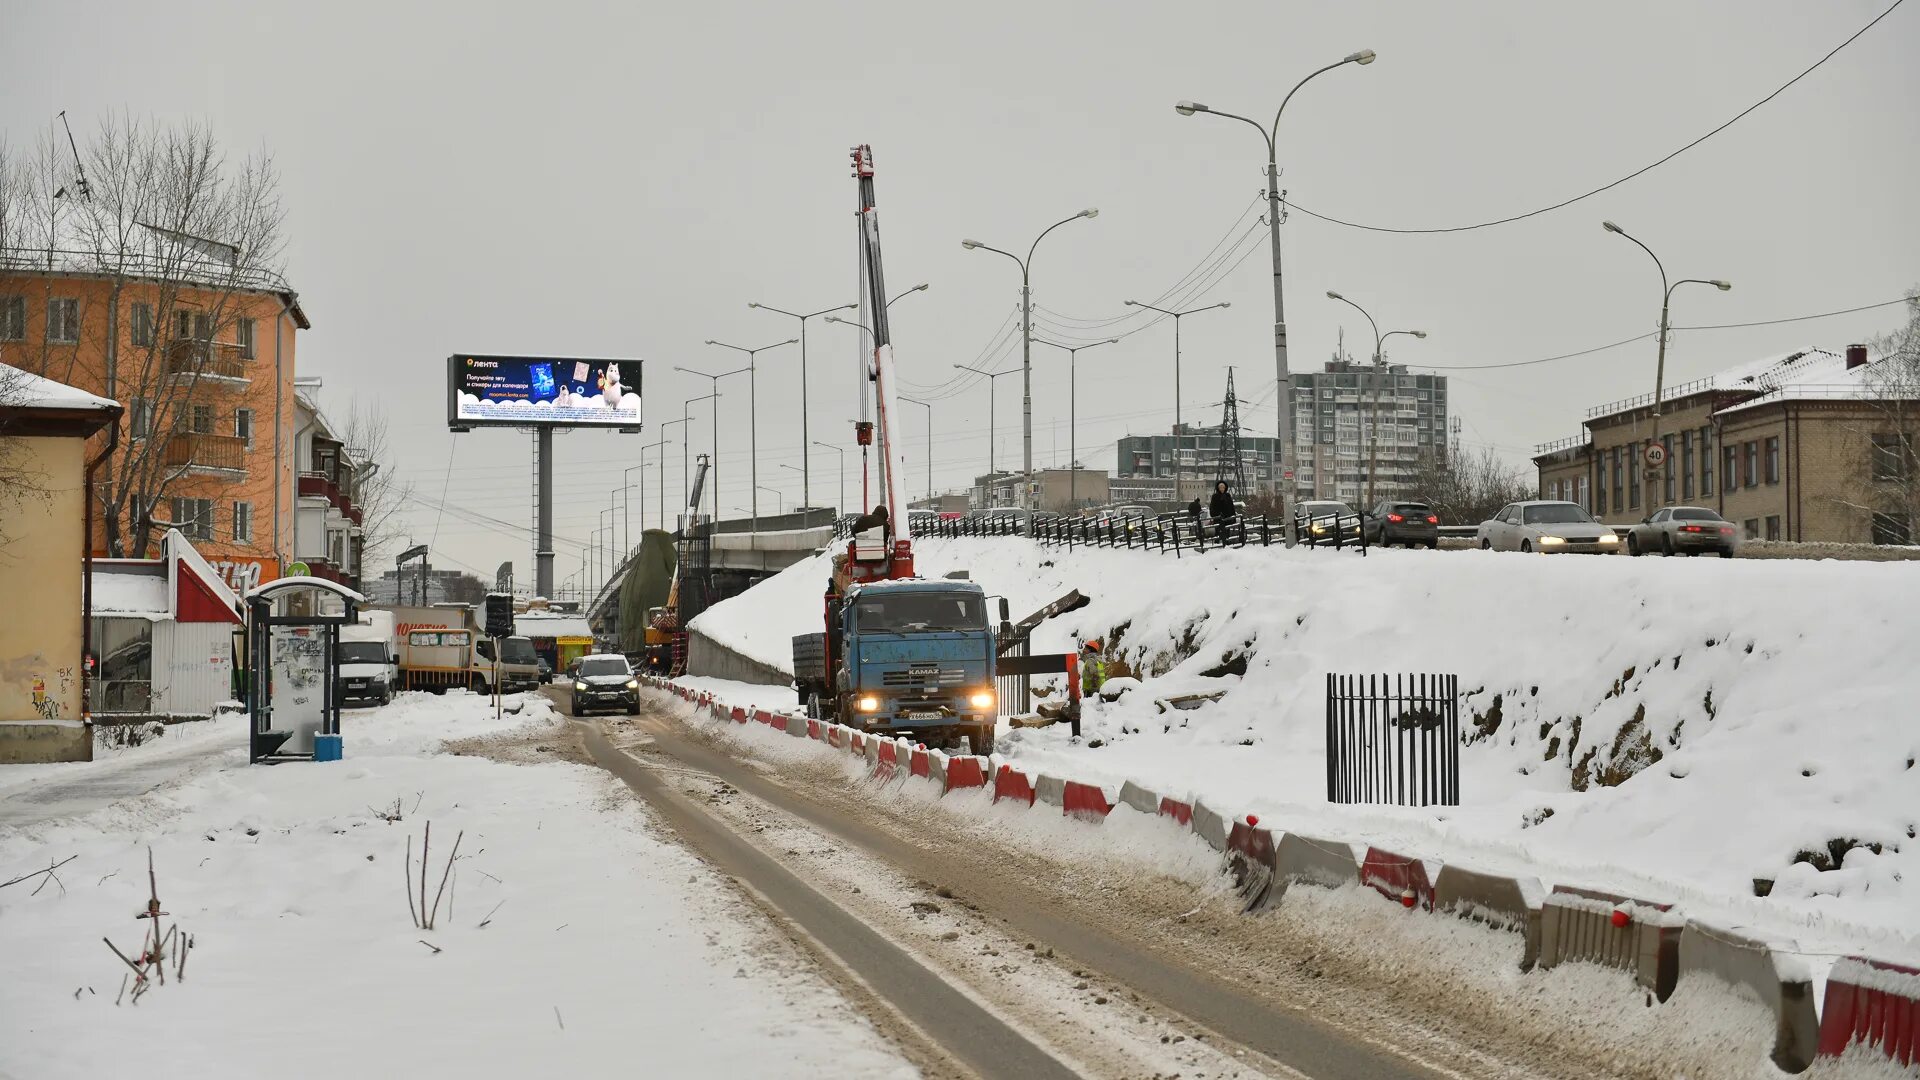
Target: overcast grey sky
621	180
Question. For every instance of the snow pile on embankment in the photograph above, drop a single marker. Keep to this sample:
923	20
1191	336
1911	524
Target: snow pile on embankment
1678	727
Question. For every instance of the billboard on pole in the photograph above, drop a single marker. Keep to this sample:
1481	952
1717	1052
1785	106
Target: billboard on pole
519	391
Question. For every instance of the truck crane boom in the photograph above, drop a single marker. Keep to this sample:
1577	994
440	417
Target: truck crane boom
878	369
666	635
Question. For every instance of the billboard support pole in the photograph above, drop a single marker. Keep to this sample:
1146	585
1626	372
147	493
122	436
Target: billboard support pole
543	536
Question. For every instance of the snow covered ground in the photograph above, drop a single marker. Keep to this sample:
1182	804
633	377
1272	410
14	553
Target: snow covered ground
606	951
1669	728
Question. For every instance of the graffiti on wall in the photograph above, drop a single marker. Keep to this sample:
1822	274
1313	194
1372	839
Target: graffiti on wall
48	690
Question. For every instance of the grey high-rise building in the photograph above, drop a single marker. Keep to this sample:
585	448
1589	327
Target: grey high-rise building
1334	442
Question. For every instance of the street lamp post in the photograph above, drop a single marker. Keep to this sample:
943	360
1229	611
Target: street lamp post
1026	343
1073	403
779	498
1379	371
1177	316
626	512
842	508
1666	301
806	439
929	407
753	422
1285	387
992	399
713	468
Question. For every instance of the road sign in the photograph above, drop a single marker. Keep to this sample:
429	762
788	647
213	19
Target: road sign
298	569
499	615
1656	455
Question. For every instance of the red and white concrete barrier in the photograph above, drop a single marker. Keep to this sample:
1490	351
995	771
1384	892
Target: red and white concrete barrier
1875	1003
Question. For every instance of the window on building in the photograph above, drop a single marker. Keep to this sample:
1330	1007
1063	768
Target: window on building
1666	470
1773	459
1600	492
202	420
1751	469
1892	529
1773	526
1633	480
1618	490
1729	469
63	320
1892	456
194	518
1751	527
13	318
193	326
243	425
140	327
243	334
1686	465
243	521
1706	461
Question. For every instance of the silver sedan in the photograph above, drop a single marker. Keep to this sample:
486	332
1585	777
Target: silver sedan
1547	527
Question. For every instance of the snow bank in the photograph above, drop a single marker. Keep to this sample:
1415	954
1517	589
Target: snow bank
1668	728
603	946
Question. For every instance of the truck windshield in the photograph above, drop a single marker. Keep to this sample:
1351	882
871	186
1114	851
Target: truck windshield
518	650
363	652
894	612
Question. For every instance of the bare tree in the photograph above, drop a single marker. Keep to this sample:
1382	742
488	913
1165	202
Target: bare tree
172	236
1466	489
1888	434
378	491
20	481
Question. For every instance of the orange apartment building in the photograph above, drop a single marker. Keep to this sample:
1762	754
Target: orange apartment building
201	357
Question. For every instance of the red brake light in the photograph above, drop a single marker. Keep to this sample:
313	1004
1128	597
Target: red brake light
1726	530
1690	528
1396	518
1431	520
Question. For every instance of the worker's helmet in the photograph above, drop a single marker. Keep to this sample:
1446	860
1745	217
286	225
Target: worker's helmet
1092	646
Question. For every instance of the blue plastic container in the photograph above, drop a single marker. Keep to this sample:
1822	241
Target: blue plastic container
326	748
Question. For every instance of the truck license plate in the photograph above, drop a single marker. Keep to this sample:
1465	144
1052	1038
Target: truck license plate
923	716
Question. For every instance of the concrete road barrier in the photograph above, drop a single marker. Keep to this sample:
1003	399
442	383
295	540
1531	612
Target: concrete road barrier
919	763
1748	966
937	768
739	715
965	771
1088	802
1872	1002
1633	936
1210	825
1506	902
1050	790
885	759
857	742
1011	783
1251	856
1328	863
1180	812
1399	878
797	726
1142	800
871	748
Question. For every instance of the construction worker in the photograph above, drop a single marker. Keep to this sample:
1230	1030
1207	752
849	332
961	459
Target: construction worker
1093	670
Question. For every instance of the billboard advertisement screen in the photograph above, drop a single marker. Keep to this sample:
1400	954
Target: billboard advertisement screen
542	390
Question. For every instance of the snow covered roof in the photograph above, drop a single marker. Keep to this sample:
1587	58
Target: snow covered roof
25	390
1803	366
1826	383
534	624
131	588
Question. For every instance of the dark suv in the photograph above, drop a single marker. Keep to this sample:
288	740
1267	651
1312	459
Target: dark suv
1411	523
605	681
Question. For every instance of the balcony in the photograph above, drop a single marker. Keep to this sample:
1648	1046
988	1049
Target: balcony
188	358
227	453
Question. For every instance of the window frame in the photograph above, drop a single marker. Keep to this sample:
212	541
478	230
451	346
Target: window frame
243	337
140	325
243	425
68	306
1750	463
13	317
242	518
1771	459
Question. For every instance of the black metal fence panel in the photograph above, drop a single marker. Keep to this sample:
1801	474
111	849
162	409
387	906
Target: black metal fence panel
1393	739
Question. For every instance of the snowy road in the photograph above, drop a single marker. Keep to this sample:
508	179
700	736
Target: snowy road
1104	977
39	793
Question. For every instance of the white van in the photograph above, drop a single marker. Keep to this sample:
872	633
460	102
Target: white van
369	668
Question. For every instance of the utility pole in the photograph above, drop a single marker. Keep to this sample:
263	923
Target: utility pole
929	407
1282	377
1177	316
1073	401
806	438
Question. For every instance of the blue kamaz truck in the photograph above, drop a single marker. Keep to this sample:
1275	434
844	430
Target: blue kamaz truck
909	657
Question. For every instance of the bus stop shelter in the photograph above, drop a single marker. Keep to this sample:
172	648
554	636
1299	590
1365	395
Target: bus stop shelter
293	666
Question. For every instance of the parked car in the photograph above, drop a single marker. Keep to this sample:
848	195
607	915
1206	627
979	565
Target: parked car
1411	523
1323	517
1547	526
546	671
605	681
1682	530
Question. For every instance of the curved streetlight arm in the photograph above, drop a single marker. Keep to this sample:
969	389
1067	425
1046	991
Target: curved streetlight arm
1257	126
1721	285
1179	314
989	247
1665	289
984	371
1376	326
1027	266
1077	348
1355	58
851	322
797	315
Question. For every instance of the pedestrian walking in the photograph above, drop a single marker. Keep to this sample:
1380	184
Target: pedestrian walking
1093	670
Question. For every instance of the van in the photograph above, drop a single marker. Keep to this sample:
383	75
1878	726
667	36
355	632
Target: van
369	671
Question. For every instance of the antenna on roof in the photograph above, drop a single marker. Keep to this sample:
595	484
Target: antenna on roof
80	186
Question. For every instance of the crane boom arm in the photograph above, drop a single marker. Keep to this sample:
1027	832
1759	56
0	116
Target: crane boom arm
880	367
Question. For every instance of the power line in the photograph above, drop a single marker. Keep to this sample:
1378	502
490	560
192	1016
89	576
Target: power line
1632	175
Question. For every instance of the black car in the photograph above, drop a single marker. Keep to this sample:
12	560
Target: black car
606	682
1394	522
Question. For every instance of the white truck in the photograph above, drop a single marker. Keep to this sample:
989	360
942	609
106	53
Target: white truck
369	667
441	647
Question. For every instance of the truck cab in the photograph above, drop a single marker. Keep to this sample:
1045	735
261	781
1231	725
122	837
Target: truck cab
908	657
519	665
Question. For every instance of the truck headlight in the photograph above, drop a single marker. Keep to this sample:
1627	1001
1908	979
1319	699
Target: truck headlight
580	686
981	699
869	703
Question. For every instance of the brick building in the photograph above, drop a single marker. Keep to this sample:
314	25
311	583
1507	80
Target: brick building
199	348
1813	445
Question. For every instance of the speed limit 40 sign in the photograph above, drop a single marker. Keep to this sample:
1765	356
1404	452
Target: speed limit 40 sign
1656	455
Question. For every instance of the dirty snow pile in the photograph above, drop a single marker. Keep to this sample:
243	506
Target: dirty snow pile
1669	728
572	941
